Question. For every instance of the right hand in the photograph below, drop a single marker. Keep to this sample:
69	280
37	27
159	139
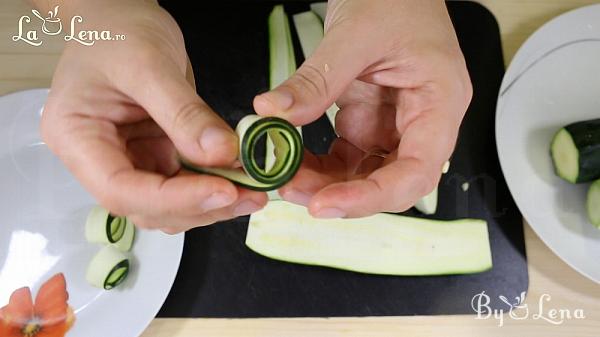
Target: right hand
119	112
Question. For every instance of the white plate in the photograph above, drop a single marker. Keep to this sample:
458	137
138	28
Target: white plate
43	210
553	80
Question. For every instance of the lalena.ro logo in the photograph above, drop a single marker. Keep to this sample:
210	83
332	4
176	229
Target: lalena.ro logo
29	30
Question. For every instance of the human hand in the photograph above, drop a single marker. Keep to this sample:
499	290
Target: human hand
119	113
396	71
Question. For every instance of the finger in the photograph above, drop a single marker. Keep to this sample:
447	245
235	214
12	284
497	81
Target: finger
92	150
368	126
322	78
198	133
317	172
397	186
249	202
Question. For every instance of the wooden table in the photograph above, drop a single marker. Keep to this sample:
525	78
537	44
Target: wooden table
24	67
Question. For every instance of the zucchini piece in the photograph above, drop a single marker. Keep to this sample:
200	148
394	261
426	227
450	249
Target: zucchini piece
126	241
108	268
593	203
102	227
383	244
320	8
310	33
428	204
575	151
288	152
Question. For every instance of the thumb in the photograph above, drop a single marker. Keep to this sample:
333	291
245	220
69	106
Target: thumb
320	80
197	132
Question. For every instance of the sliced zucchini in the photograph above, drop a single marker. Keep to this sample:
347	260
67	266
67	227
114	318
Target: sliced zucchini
593	203
104	228
320	8
288	152
126	241
108	268
428	204
310	31
381	244
575	151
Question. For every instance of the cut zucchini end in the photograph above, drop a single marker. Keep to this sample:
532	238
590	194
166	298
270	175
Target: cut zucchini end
593	204
565	156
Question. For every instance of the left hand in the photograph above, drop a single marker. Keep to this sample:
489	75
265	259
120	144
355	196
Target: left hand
397	72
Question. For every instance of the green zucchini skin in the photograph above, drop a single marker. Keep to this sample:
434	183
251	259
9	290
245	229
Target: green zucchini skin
256	180
586	138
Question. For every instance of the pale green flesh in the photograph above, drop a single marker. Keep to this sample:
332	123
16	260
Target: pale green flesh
565	156
320	8
593	203
282	65
101	267
310	33
380	244
126	241
428	204
96	223
117	275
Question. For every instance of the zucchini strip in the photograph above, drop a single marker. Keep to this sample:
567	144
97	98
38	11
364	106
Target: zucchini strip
383	244
319	8
593	203
108	268
310	33
104	228
288	154
282	65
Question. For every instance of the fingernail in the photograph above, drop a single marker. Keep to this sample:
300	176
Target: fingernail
214	137
245	208
297	197
216	201
330	213
280	100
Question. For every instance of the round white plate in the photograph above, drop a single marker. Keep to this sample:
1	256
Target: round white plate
553	80
43	211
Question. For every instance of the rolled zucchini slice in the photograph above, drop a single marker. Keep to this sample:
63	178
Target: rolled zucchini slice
593	203
108	268
383	244
575	151
103	227
288	152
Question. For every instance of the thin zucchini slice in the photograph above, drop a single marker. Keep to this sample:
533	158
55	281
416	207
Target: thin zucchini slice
102	227
310	33
593	203
383	244
288	152
126	241
575	151
320	8
428	204
108	268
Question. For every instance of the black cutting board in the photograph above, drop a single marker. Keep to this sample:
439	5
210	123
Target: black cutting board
220	277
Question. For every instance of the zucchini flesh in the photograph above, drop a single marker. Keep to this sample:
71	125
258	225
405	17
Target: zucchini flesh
383	244
126	241
108	268
575	151
102	227
428	204
282	65
319	8
310	33
593	203
287	154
